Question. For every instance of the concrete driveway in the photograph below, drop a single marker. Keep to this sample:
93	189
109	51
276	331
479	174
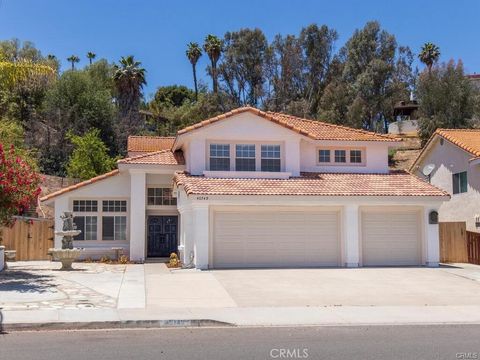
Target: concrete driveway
447	286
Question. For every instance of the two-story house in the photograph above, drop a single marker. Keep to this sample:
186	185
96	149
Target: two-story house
451	161
259	189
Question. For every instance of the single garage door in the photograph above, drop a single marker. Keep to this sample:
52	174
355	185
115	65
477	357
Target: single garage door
275	238
391	238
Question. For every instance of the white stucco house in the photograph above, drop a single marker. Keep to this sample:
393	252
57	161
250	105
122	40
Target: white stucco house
454	159
259	189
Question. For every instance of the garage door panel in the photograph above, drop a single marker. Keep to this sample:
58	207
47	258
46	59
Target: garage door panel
391	238
275	239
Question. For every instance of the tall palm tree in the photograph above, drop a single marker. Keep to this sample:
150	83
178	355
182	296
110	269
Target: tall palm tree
129	79
213	48
73	59
91	56
429	55
194	52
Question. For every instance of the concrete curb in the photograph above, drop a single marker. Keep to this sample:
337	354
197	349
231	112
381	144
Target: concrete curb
122	324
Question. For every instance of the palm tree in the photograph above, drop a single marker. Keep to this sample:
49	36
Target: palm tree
213	48
91	56
73	59
129	79
194	52
429	55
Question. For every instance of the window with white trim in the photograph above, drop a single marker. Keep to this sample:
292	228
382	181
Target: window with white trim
114	206
220	157
270	158
340	156
356	156
114	227
324	155
460	182
85	205
244	157
88	227
160	196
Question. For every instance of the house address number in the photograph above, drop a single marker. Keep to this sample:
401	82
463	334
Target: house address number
202	197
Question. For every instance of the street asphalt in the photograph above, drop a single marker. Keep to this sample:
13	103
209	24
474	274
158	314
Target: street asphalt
328	342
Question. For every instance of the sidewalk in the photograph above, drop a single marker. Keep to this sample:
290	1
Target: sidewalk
36	295
283	316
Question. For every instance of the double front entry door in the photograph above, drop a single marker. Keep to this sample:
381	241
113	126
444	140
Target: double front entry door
162	235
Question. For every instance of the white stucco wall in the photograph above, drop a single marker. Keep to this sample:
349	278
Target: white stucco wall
403	127
450	159
299	152
115	187
197	233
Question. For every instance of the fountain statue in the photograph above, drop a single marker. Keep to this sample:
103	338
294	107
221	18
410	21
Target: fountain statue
67	254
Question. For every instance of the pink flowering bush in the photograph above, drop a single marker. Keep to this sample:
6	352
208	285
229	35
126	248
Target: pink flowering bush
19	185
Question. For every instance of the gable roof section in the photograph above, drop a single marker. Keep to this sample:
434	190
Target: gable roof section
162	157
313	129
397	183
466	139
79	185
149	143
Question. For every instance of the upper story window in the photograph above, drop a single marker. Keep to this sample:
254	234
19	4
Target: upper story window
244	157
271	160
324	156
85	205
344	157
220	157
356	156
160	196
340	156
460	183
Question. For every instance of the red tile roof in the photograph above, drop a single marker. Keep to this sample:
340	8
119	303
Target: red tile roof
316	130
399	183
163	157
79	185
149	143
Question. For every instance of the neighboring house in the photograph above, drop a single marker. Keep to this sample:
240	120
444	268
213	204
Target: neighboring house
404	113
455	158
259	189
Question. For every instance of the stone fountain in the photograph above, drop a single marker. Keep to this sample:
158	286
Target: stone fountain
67	254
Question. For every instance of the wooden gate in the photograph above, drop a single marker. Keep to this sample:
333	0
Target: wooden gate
473	244
30	237
453	242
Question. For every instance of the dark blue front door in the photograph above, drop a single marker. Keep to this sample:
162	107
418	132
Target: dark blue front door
162	235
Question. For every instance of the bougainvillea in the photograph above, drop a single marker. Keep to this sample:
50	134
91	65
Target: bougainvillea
19	185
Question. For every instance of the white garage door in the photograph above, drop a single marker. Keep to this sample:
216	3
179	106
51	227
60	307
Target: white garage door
391	238
275	238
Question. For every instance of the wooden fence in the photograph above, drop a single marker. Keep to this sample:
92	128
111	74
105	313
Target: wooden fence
453	242
473	245
30	237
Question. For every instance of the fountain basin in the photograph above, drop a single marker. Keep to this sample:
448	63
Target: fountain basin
66	256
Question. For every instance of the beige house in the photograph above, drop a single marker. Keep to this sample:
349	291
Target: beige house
258	189
452	156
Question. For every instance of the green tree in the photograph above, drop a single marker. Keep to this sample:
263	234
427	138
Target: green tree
446	97
213	48
194	52
77	102
89	157
129	79
429	55
91	56
173	95
243	65
73	59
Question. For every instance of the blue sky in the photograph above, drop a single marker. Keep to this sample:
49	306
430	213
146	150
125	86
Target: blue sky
157	32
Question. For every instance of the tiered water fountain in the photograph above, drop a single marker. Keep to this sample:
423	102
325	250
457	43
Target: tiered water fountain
67	254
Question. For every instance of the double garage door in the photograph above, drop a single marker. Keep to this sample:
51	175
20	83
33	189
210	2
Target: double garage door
309	238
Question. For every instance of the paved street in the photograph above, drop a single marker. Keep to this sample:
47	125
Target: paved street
377	342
